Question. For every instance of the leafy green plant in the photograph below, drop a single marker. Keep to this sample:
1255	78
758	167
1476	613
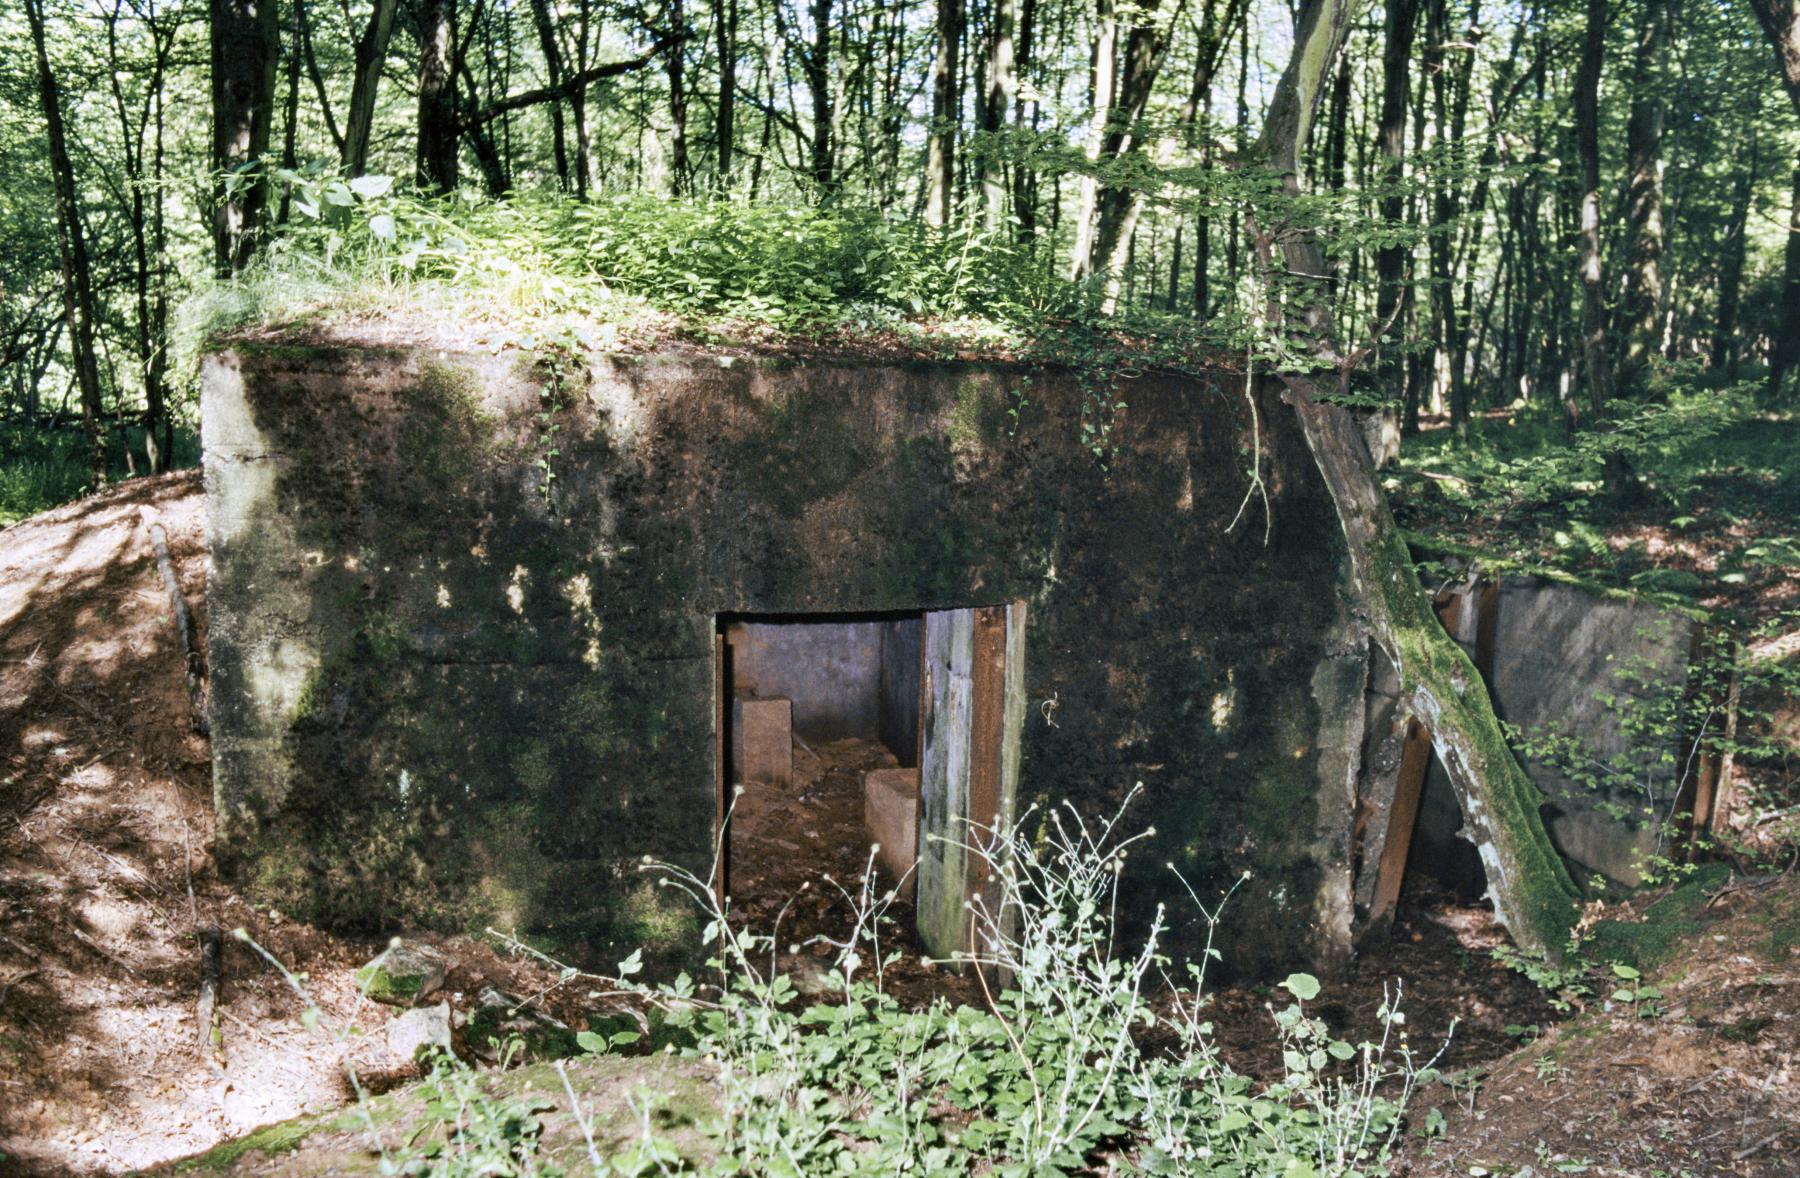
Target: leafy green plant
1052	1074
535	267
464	1131
1637	994
1566	985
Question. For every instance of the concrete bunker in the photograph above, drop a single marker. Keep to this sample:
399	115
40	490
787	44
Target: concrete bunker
469	616
1608	704
466	624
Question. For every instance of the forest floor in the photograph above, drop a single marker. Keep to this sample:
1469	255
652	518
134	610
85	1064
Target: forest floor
1711	515
1702	1080
105	876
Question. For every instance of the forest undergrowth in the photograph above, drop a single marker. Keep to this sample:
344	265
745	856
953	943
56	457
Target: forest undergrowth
1694	497
1092	1053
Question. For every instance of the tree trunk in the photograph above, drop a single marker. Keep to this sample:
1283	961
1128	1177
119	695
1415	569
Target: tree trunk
725	116
1500	107
1118	208
1786	352
1531	890
1102	88
149	336
940	148
1596	361
437	150
303	26
371	55
545	25
1450	103
245	44
1780	20
681	177
818	83
1337	139
159	250
1734	249
77	278
582	164
1642	312
1025	178
1002	89
1390	259
290	121
1202	260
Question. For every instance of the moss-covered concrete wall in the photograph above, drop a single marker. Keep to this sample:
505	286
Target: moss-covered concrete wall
448	692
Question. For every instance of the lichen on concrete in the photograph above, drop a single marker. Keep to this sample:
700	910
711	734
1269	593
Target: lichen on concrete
466	739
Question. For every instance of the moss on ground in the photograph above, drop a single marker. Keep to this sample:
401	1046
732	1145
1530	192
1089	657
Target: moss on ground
270	1140
616	1093
1646	944
1783	920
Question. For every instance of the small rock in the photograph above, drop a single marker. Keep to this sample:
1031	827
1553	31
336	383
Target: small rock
419	1031
404	973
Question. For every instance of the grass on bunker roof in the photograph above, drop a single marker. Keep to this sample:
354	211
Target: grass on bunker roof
628	274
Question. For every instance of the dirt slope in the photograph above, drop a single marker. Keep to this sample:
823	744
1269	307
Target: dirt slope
105	825
1702	1081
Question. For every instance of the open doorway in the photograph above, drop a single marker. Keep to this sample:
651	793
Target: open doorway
839	733
819	752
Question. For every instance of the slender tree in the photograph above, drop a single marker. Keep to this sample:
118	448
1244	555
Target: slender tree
940	149
675	64
1596	359
1642	306
725	113
1401	17
144	188
371	56
1002	90
79	312
554	72
1733	249
437	133
245	45
1780	20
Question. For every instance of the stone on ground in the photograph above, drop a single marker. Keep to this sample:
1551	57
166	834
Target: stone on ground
404	973
418	1031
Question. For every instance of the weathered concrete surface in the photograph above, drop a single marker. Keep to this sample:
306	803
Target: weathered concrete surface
1568	661
762	740
830	670
445	697
1600	671
891	813
897	703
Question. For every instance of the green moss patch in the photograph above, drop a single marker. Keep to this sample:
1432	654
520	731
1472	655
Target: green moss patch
270	1140
1677	916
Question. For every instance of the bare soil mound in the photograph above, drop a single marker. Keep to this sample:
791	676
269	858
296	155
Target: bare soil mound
106	874
1698	1080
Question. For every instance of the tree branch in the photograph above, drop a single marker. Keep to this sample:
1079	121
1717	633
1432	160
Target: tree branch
570	85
